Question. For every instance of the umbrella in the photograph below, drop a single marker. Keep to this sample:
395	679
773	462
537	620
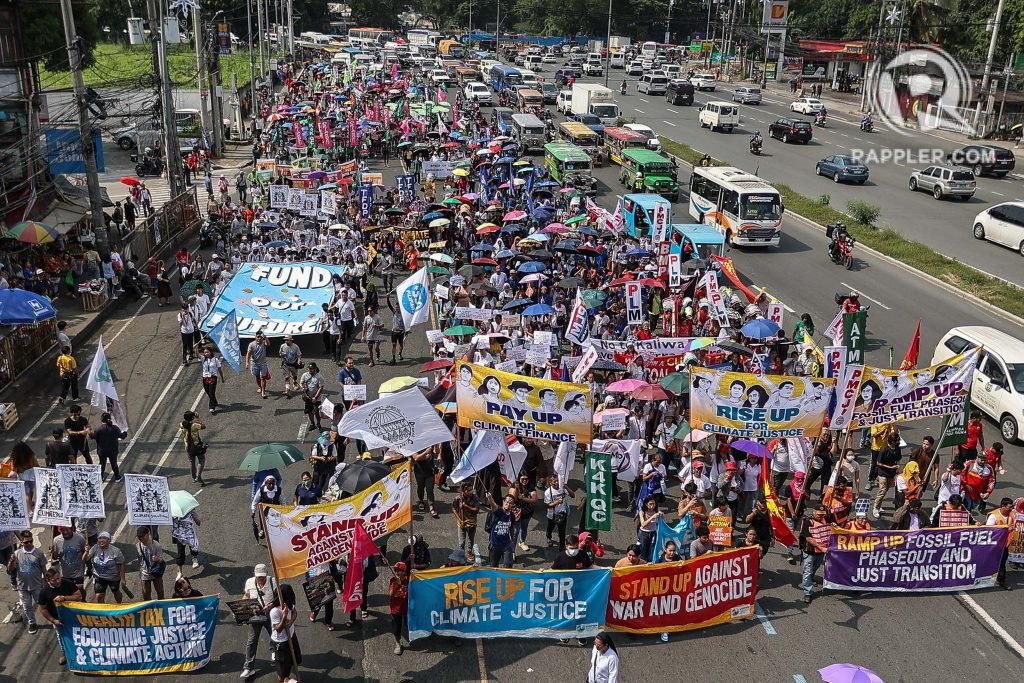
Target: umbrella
460	330
393	211
182	503
129	181
651	282
638	252
439	222
483	246
276	244
541	254
626	386
569	283
484	262
567	246
513	216
270	456
760	329
848	673
396	384
21	307
620	281
539	309
678	383
583	229
651	392
593	297
575	219
460	172
690	434
438	364
609	365
442	258
431	216
452	201
189	288
486	226
734	347
751	448
517	303
268	224
531	267
32	232
329	186
535	277
482	288
317	175
360	475
505	253
555	228
437	270
609	411
470	271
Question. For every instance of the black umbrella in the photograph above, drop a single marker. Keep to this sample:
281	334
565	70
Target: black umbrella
541	255
735	347
360	475
567	246
608	365
569	283
484	287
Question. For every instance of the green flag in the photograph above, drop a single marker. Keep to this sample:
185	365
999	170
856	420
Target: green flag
954	427
597	477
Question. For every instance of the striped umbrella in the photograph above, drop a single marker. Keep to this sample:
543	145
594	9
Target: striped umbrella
32	232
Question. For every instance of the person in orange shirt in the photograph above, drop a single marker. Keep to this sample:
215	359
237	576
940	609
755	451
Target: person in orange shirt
249	215
838	500
860	522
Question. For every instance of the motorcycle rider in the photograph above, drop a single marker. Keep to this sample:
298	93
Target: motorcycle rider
851	304
866	123
756	140
638	182
821	117
622	88
839	233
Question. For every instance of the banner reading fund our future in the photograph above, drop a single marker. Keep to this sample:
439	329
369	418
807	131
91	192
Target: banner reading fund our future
472	602
681	596
522	406
303	537
758	406
159	636
934	560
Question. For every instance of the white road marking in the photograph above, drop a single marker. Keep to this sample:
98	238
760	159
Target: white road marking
669	123
797	678
874	301
1017	176
844	135
1003	180
642	99
480	660
857	139
763	618
999	631
639	111
998	194
671	110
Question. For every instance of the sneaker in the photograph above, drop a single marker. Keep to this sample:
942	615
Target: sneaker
523	547
807	599
118	478
398	648
273	656
875	512
552	543
33	629
664	637
247	673
60	400
791	559
195	563
212	411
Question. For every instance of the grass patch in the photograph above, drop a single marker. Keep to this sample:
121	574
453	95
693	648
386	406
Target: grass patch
887	241
121	66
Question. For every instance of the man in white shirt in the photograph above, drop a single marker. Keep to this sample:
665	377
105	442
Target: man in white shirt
259	587
202	304
346	313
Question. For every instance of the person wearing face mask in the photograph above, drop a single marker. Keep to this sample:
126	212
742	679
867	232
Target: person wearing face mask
268	494
572	557
306	493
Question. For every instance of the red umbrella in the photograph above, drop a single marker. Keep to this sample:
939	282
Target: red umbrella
439	364
129	181
484	262
651	282
651	392
620	281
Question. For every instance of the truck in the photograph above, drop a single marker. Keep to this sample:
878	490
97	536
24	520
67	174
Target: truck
590	98
450	49
595	46
618	42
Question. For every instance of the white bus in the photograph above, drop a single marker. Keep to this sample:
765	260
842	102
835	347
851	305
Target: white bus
649	50
367	37
744	208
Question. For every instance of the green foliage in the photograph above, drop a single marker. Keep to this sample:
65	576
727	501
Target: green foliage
863	212
825	200
43	27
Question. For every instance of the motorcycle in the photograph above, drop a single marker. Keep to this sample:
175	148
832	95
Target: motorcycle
841	251
867	126
622	88
819	120
147	166
755	146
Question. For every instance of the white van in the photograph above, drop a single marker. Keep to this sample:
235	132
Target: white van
998	386
617	61
530	79
719	116
653	84
533	62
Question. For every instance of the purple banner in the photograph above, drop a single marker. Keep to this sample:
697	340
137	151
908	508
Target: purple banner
926	560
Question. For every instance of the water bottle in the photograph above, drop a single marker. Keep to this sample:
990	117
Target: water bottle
476	555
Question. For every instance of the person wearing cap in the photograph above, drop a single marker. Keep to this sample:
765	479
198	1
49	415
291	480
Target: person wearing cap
29	563
398	594
256	362
69	550
258	587
108	568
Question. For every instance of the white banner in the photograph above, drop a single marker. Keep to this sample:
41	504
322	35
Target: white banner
625	456
613	422
404	421
675	271
329	203
634	304
586	362
715	297
49	507
278	197
149	500
577	327
485	448
83	491
775	311
847	389
834	331
13	506
473	313
661	213
295	196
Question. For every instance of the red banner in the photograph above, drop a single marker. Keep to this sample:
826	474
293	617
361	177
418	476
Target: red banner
682	596
660	367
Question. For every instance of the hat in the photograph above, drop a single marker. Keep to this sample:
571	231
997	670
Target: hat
260	570
519	384
458	555
401	565
697	453
104	534
698	463
730	466
799	476
215	256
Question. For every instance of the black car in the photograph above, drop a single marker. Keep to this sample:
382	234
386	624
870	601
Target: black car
787	129
983	159
679	92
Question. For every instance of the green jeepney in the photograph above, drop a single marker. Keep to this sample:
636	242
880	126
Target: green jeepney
657	173
570	166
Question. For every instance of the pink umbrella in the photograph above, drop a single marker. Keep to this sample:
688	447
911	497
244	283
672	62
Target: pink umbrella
514	216
696	435
651	392
626	386
609	411
848	673
535	277
555	228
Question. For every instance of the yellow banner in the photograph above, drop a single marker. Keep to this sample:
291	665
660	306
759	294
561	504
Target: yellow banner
758	406
522	406
300	537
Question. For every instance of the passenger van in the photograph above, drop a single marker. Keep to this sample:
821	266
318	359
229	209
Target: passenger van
719	116
998	385
528	130
653	84
533	62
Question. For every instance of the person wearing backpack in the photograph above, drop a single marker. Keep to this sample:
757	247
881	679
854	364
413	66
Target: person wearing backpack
195	447
151	563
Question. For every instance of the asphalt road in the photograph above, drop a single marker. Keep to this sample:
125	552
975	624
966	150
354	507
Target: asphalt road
896	635
943	225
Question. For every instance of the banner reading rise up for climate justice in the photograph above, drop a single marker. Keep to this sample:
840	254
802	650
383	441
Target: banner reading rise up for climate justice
303	537
160	636
757	406
681	596
522	406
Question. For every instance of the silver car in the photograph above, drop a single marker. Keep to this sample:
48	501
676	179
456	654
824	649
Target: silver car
745	95
942	181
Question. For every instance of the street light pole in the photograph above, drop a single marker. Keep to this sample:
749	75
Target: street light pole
987	78
608	47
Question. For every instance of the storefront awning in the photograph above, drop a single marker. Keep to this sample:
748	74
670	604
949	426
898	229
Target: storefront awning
63	216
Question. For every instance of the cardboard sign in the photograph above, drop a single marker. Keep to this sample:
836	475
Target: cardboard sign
543	337
355	392
435	337
507	366
954	518
721	529
775	312
612	422
441	292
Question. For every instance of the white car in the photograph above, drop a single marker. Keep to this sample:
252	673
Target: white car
807	105
1002	224
652	138
478	92
635	69
593	69
703	82
549	59
439	76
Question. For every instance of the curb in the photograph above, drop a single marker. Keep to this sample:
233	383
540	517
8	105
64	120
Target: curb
945	286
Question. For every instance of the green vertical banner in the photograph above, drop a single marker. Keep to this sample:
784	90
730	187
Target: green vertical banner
855	326
597	477
954	427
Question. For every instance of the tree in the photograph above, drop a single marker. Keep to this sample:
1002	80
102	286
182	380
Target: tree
43	26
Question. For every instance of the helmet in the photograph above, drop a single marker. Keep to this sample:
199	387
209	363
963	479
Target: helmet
854	294
757	133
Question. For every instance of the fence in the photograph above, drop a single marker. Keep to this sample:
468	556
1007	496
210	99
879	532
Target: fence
162	230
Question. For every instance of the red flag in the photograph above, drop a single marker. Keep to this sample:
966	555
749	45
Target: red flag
910	359
363	547
783	534
442	96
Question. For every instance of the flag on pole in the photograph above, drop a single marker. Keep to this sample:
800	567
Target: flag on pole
783	534
441	128
414	298
363	548
484	449
225	335
577	329
99	381
910	359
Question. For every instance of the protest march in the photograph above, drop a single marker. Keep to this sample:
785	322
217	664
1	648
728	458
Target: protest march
449	394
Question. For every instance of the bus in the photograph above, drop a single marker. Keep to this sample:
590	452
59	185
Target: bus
582	136
617	139
569	165
649	50
369	36
504	77
743	207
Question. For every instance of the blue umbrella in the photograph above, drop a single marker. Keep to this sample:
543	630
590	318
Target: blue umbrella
432	216
277	244
531	267
584	229
506	253
547	183
539	309
760	329
510	228
638	252
21	307
543	212
517	303
505	160
483	246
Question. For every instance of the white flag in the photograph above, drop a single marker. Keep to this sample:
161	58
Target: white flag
577	328
99	380
625	456
414	298
512	463
404	421
485	448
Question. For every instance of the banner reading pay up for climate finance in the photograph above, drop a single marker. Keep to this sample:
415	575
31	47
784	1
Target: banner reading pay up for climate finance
471	602
935	560
680	596
886	396
522	406
160	636
757	406
303	537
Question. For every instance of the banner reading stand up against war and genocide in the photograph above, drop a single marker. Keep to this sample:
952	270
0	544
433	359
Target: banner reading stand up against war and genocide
682	596
475	602
927	560
886	396
276	298
155	637
758	406
522	406
303	537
